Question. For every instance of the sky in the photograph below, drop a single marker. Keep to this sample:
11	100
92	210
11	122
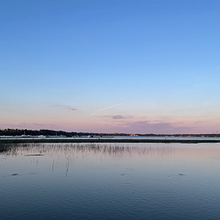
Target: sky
128	66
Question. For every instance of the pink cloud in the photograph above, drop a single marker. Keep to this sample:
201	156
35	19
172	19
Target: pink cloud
116	116
146	127
68	107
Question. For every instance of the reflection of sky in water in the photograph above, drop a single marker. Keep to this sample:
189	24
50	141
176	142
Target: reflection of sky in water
96	181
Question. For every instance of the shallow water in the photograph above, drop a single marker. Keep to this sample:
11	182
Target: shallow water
110	181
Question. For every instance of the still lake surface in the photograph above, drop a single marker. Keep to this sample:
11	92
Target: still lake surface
110	181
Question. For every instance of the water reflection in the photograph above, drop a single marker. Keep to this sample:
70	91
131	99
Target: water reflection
114	150
109	181
85	149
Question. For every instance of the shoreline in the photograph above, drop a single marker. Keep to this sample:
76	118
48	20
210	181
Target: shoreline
107	140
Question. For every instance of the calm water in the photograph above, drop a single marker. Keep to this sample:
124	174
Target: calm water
110	181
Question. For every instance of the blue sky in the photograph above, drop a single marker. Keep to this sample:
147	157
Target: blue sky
136	66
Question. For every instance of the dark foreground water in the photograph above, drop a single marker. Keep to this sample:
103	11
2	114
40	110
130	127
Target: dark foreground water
110	181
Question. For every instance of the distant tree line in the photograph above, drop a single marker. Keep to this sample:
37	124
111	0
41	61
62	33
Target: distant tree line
14	132
46	132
